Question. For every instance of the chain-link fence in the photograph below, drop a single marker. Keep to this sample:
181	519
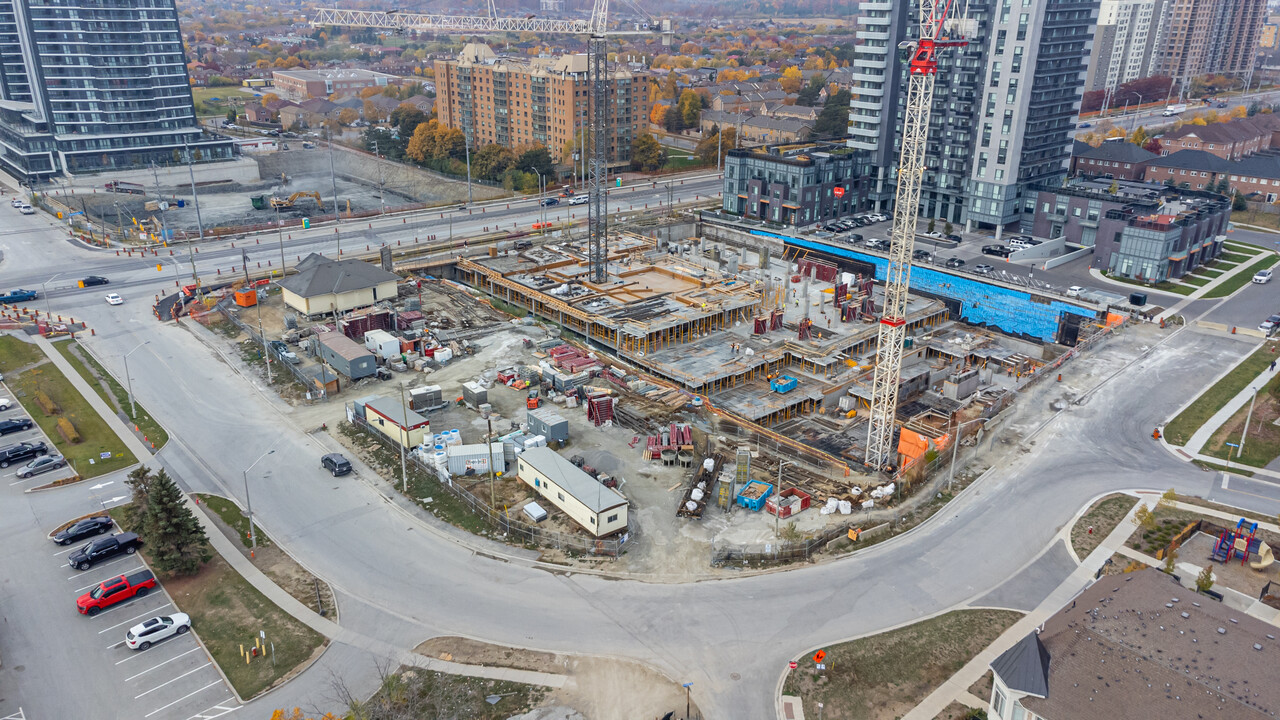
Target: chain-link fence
516	531
783	552
315	389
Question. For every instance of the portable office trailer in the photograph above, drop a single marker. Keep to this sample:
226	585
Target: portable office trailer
383	344
345	355
600	510
548	423
396	421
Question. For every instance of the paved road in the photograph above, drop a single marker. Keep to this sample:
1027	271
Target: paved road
401	581
1155	116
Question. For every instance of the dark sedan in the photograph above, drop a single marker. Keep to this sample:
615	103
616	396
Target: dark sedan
955	262
87	527
94	280
13	426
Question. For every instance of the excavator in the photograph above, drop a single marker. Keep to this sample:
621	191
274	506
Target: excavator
262	202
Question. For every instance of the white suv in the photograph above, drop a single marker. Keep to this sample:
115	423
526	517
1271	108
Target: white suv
150	632
1262	276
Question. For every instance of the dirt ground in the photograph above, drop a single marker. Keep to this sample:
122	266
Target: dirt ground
1241	578
285	572
599	688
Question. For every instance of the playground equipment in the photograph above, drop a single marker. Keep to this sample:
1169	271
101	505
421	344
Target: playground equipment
1242	540
1266	558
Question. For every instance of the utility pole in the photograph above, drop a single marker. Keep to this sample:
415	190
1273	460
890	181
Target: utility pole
333	178
777	500
280	237
195	200
1248	416
489	441
266	356
377	160
404	468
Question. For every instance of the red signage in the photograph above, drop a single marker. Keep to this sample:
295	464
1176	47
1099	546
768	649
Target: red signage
793	664
839	192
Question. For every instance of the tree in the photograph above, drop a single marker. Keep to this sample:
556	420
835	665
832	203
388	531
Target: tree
1114	187
1238	202
346	116
269	98
406	118
658	115
791	79
646	153
948	228
231	115
1139	136
1205	580
933	223
1153	146
690	108
422	145
715	145
139	483
366	93
810	92
492	160
1170	560
176	542
833	121
538	158
1144	518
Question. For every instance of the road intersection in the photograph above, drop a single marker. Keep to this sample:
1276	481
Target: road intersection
400	581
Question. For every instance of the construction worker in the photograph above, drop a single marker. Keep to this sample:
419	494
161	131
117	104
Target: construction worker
1155	434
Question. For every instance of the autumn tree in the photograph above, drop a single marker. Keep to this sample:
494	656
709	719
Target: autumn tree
346	116
791	79
658	115
366	93
647	154
715	145
690	108
492	160
1139	136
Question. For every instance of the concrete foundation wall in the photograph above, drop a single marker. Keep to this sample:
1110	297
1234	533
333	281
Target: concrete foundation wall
414	183
1064	259
241	169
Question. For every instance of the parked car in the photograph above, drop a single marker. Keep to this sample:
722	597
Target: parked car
1074	291
125	543
998	250
1262	277
982	269
336	464
924	255
42	464
92	280
932	234
150	632
283	352
5	404
114	299
548	202
82	529
955	262
15	425
23	451
854	238
955	238
1270	324
117	589
16	203
1085	125
579	200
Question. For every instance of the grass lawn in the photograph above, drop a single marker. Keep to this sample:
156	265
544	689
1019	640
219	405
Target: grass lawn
1263	443
1242	277
885	675
1223	468
1207	273
1234	258
681	162
1103	517
95	375
1243	248
15	353
96	437
1181	428
1195	280
1253	217
232	516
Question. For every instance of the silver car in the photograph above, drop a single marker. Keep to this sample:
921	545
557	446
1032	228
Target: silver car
41	465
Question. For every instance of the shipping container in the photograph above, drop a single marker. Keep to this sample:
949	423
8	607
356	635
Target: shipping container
474	459
383	344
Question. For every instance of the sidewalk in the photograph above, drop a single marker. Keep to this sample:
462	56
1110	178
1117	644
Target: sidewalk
958	684
1242	267
232	555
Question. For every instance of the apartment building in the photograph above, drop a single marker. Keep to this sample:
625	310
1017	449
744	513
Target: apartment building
1211	36
1128	34
1004	107
874	92
798	184
87	88
515	100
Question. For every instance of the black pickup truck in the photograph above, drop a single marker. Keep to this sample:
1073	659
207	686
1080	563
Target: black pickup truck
99	550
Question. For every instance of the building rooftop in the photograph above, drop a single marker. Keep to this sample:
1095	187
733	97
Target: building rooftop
586	489
396	412
318	275
1140	645
1118	151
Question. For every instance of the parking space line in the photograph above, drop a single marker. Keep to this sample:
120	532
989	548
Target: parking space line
64	552
100	566
109	577
184	697
166	662
204	714
132	656
135	617
124	604
170	682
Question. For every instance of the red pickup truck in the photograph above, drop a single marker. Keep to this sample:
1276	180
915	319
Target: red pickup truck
117	589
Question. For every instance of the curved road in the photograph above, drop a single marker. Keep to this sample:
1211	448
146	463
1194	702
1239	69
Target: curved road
401	581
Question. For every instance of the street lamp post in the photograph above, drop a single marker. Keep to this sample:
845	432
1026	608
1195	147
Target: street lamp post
45	292
542	201
1248	416
253	535
777	500
133	410
955	445
1131	120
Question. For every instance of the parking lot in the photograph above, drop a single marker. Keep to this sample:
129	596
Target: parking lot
54	658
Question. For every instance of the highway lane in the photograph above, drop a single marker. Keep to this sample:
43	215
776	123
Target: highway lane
405	581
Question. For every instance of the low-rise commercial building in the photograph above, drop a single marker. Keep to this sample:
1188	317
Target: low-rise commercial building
1141	231
1113	159
598	509
792	184
1139	646
299	85
323	286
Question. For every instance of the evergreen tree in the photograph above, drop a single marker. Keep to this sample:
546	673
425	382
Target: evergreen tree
176	542
833	121
139	482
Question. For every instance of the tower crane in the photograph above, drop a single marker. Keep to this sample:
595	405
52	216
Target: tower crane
595	28
922	72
